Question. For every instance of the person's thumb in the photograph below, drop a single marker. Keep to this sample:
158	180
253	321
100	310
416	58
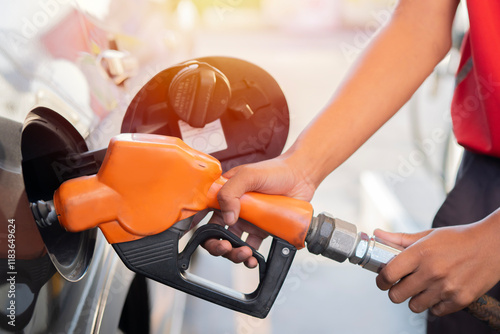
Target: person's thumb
401	239
239	183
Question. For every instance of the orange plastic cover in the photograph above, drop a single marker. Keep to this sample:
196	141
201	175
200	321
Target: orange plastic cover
149	182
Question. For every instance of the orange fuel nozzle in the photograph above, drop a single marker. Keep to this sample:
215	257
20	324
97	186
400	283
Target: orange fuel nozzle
148	182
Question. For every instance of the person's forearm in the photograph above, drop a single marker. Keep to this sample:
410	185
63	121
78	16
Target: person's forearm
388	73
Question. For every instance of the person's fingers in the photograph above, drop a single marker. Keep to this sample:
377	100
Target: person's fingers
400	266
251	262
229	195
240	254
237	255
224	248
401	239
230	173
424	300
438	309
252	239
217	247
407	287
446	307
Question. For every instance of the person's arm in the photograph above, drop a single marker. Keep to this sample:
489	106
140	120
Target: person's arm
391	69
395	64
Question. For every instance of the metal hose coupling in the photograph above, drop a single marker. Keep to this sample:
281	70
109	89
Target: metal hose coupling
339	240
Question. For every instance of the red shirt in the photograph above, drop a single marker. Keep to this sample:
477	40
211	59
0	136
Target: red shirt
475	107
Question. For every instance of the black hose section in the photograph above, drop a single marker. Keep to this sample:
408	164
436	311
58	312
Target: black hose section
486	309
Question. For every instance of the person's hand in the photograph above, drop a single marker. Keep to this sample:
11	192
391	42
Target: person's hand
276	177
241	254
443	269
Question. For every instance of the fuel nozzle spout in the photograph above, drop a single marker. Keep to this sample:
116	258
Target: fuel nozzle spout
339	240
44	214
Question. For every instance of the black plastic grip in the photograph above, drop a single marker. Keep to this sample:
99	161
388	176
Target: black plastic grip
213	231
157	257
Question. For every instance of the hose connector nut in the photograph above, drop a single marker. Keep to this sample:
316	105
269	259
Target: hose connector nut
332	237
373	253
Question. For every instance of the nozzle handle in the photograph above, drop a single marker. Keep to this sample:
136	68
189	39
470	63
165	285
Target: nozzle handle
284	217
158	258
215	231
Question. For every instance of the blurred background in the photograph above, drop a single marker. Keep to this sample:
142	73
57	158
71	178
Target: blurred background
396	181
